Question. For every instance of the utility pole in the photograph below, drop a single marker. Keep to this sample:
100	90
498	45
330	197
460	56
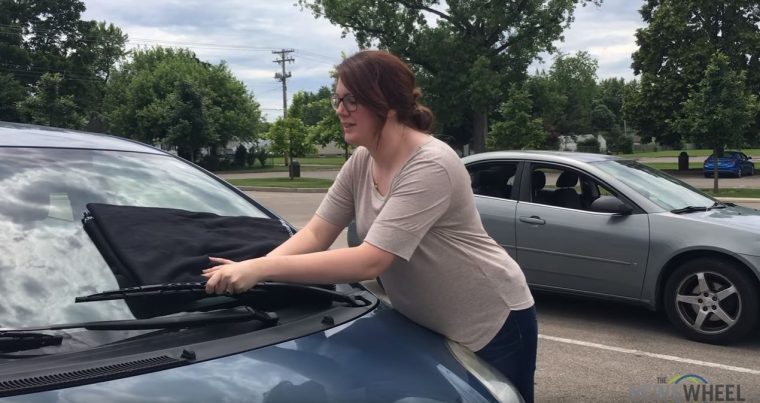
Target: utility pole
283	78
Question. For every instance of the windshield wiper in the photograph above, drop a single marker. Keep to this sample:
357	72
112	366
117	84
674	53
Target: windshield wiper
200	288
689	209
237	314
718	204
12	340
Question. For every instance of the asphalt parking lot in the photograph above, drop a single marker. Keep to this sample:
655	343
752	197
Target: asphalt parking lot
601	352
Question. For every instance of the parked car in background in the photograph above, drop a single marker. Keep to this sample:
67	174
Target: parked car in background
734	163
605	227
277	343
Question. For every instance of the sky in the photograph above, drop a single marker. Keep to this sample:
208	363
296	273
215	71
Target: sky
244	33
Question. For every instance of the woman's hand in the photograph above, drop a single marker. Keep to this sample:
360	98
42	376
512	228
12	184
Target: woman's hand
229	277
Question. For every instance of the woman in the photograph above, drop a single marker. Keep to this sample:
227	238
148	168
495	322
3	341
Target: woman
414	208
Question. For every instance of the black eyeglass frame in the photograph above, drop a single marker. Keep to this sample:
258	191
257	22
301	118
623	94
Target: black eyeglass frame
348	100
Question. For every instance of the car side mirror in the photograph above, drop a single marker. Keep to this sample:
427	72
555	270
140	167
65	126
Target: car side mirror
610	204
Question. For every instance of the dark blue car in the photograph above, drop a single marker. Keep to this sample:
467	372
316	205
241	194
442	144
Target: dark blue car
70	332
734	163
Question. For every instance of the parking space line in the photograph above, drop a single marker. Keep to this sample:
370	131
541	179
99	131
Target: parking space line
653	355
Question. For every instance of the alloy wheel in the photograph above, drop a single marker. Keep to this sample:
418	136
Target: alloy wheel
708	302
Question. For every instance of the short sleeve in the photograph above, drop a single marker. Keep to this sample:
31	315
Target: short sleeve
337	206
419	198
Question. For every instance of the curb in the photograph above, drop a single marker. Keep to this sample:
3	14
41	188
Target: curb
283	190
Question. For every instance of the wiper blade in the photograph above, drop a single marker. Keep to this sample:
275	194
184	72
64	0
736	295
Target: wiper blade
200	288
12	340
688	209
237	314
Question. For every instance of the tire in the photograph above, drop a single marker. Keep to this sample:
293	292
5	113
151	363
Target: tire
739	173
751	171
730	294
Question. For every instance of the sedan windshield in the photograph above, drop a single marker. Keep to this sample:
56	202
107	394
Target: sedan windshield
657	186
46	258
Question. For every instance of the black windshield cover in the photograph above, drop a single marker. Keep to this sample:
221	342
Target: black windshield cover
147	245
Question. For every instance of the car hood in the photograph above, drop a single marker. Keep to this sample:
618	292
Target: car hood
738	217
381	357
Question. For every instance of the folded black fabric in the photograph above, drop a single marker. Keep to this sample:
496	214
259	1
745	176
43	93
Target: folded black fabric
150	245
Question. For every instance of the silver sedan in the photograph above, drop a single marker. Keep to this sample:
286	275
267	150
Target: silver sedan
611	228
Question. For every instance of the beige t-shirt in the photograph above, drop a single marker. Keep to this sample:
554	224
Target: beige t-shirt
451	276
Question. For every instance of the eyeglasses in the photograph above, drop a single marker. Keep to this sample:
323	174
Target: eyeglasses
349	102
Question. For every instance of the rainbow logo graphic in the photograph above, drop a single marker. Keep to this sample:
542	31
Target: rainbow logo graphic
688	378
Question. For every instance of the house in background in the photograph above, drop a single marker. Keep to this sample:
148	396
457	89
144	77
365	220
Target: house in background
570	143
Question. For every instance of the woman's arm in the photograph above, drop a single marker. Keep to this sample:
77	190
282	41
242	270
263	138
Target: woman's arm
327	267
316	236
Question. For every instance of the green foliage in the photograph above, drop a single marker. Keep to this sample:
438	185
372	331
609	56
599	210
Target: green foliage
169	96
48	36
241	156
289	138
719	108
602	118
674	51
47	106
311	107
575	79
11	93
465	51
258	153
589	145
517	129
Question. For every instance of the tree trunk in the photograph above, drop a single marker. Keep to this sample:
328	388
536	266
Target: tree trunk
715	170
480	129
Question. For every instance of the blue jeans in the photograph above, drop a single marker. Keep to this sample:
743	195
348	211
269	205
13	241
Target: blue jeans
513	350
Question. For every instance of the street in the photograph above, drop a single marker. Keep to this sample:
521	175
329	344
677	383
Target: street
598	352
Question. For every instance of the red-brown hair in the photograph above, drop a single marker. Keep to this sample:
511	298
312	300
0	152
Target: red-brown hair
380	81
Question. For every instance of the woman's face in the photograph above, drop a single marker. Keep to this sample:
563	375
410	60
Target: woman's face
359	123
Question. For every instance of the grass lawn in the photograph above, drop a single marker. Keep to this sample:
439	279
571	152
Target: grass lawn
672	166
692	153
332	161
313	183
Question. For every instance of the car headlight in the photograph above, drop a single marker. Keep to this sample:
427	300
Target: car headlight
496	383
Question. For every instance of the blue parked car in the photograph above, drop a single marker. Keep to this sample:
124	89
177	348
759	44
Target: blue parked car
69	330
734	163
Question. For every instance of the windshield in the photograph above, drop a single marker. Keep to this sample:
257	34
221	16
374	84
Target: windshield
657	186
46	258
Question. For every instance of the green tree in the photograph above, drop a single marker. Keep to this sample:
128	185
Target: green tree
602	118
674	50
11	93
610	92
307	106
153	97
47	106
463	52
518	129
48	36
289	138
719	108
329	130
575	78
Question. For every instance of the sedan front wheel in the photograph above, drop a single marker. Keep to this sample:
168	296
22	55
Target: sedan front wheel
712	301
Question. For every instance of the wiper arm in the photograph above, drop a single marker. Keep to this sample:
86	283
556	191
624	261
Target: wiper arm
237	314
200	288
12	340
688	209
717	205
